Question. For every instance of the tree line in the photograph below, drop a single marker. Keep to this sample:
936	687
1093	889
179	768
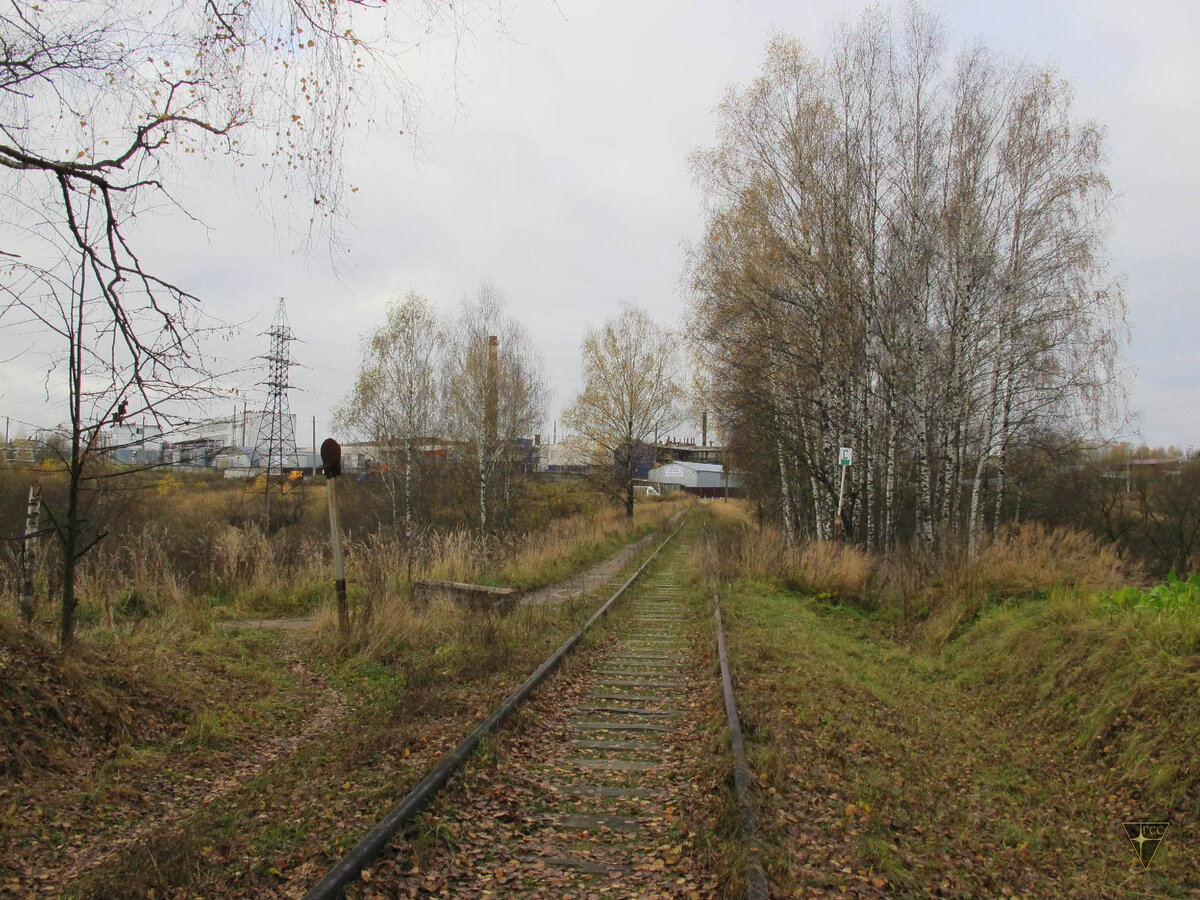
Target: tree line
903	254
476	380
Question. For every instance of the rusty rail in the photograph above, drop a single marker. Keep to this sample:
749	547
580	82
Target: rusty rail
375	841
756	880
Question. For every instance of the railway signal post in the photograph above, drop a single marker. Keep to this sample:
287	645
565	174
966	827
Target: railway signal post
331	464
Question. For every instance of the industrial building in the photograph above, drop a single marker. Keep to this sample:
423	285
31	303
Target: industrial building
671	450
701	479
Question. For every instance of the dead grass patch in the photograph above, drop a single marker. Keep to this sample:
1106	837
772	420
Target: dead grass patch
1026	561
735	549
934	600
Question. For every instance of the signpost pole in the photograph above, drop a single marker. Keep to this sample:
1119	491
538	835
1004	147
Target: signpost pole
844	458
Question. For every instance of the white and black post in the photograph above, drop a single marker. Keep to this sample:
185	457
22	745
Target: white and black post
844	457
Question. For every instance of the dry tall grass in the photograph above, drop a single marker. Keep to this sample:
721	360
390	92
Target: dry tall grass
1023	561
200	558
737	549
387	625
935	599
430	640
567	545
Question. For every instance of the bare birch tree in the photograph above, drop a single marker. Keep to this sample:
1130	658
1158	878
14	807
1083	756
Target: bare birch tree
905	253
495	390
106	382
632	392
395	401
101	104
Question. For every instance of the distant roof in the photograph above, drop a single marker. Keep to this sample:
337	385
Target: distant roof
695	466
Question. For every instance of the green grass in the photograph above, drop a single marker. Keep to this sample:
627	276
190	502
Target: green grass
1175	595
971	769
259	601
1119	680
374	682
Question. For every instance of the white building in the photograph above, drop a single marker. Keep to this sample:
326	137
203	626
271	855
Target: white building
565	456
244	428
704	479
133	443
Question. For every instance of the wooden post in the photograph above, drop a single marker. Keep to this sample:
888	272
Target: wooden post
331	460
339	562
33	524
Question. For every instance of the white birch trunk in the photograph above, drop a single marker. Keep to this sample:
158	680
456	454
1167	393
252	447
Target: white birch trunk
483	509
924	477
975	522
33	524
976	492
890	486
408	503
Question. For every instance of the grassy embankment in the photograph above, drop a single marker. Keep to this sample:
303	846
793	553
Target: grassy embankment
982	730
179	753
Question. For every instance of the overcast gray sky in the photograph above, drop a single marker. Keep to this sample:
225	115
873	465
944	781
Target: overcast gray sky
554	163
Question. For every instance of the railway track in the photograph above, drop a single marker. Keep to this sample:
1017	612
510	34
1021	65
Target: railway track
596	788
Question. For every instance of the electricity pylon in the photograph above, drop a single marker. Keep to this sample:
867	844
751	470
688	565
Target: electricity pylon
275	448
